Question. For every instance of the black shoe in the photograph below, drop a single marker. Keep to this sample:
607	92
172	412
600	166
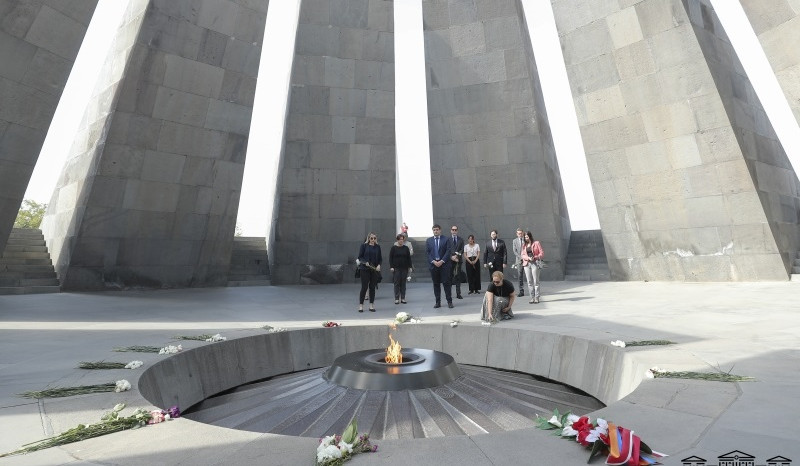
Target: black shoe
521	293
403	301
437	306
360	310
459	297
372	309
450	305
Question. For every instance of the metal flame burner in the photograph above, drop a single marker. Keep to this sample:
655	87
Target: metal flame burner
367	370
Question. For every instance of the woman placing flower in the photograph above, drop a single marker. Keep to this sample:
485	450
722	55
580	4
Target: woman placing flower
499	297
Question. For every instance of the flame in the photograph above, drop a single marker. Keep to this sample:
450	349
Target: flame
393	354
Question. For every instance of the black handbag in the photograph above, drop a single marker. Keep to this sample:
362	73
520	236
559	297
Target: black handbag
358	272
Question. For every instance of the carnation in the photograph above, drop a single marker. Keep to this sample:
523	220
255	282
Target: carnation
122	386
134	365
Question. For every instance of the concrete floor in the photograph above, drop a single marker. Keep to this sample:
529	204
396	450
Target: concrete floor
749	329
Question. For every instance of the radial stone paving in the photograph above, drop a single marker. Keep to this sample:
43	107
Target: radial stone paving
305	404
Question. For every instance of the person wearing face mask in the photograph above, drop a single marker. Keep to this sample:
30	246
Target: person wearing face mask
369	264
495	257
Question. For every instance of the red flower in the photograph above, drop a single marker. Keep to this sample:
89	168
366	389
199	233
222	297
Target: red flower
582	424
581	438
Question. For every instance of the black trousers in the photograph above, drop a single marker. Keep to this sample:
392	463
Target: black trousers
369	278
441	276
400	278
456	270
474	276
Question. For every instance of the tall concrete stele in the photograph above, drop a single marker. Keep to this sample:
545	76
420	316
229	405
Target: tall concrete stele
690	181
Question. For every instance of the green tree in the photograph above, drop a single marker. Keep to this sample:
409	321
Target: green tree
30	214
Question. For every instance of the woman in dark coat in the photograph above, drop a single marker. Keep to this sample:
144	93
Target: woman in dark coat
400	263
369	264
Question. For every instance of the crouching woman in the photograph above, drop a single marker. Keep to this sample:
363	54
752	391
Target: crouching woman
498	300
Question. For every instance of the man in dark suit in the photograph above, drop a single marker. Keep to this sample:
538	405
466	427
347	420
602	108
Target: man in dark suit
439	264
456	245
496	257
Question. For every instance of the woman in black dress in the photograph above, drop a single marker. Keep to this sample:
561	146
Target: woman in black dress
400	263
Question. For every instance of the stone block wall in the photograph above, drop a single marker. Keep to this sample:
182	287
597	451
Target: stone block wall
675	196
338	177
39	41
767	163
150	195
777	25
493	165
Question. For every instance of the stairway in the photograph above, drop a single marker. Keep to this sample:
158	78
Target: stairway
249	265
795	276
586	257
419	261
25	267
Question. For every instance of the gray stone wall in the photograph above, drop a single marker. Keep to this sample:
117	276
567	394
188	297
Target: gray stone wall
150	196
768	165
676	199
39	41
493	165
777	25
338	177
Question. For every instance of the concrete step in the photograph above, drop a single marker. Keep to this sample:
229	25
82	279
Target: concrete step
238	283
26	233
16	290
586	266
587	278
22	261
25	255
585	260
24	248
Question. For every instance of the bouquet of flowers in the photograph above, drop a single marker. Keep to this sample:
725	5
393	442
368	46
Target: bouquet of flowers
110	422
171	349
403	317
330	323
334	450
619	444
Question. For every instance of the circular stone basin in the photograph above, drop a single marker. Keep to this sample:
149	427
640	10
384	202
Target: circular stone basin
367	370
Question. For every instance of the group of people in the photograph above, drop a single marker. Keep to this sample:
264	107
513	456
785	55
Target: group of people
452	261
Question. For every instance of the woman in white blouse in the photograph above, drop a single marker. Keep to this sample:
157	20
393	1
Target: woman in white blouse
472	253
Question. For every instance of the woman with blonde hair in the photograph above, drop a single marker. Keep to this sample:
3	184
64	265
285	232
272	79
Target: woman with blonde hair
498	299
369	265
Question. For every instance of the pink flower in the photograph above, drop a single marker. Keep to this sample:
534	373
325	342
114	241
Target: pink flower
156	416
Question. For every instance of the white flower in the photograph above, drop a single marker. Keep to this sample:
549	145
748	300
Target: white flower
619	343
216	338
346	448
600	428
122	386
568	430
327	453
134	365
415	320
170	349
486	324
554	420
454	323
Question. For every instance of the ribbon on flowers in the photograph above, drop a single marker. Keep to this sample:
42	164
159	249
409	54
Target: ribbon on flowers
626	448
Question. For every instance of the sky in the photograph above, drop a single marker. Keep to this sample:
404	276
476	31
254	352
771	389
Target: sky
263	157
